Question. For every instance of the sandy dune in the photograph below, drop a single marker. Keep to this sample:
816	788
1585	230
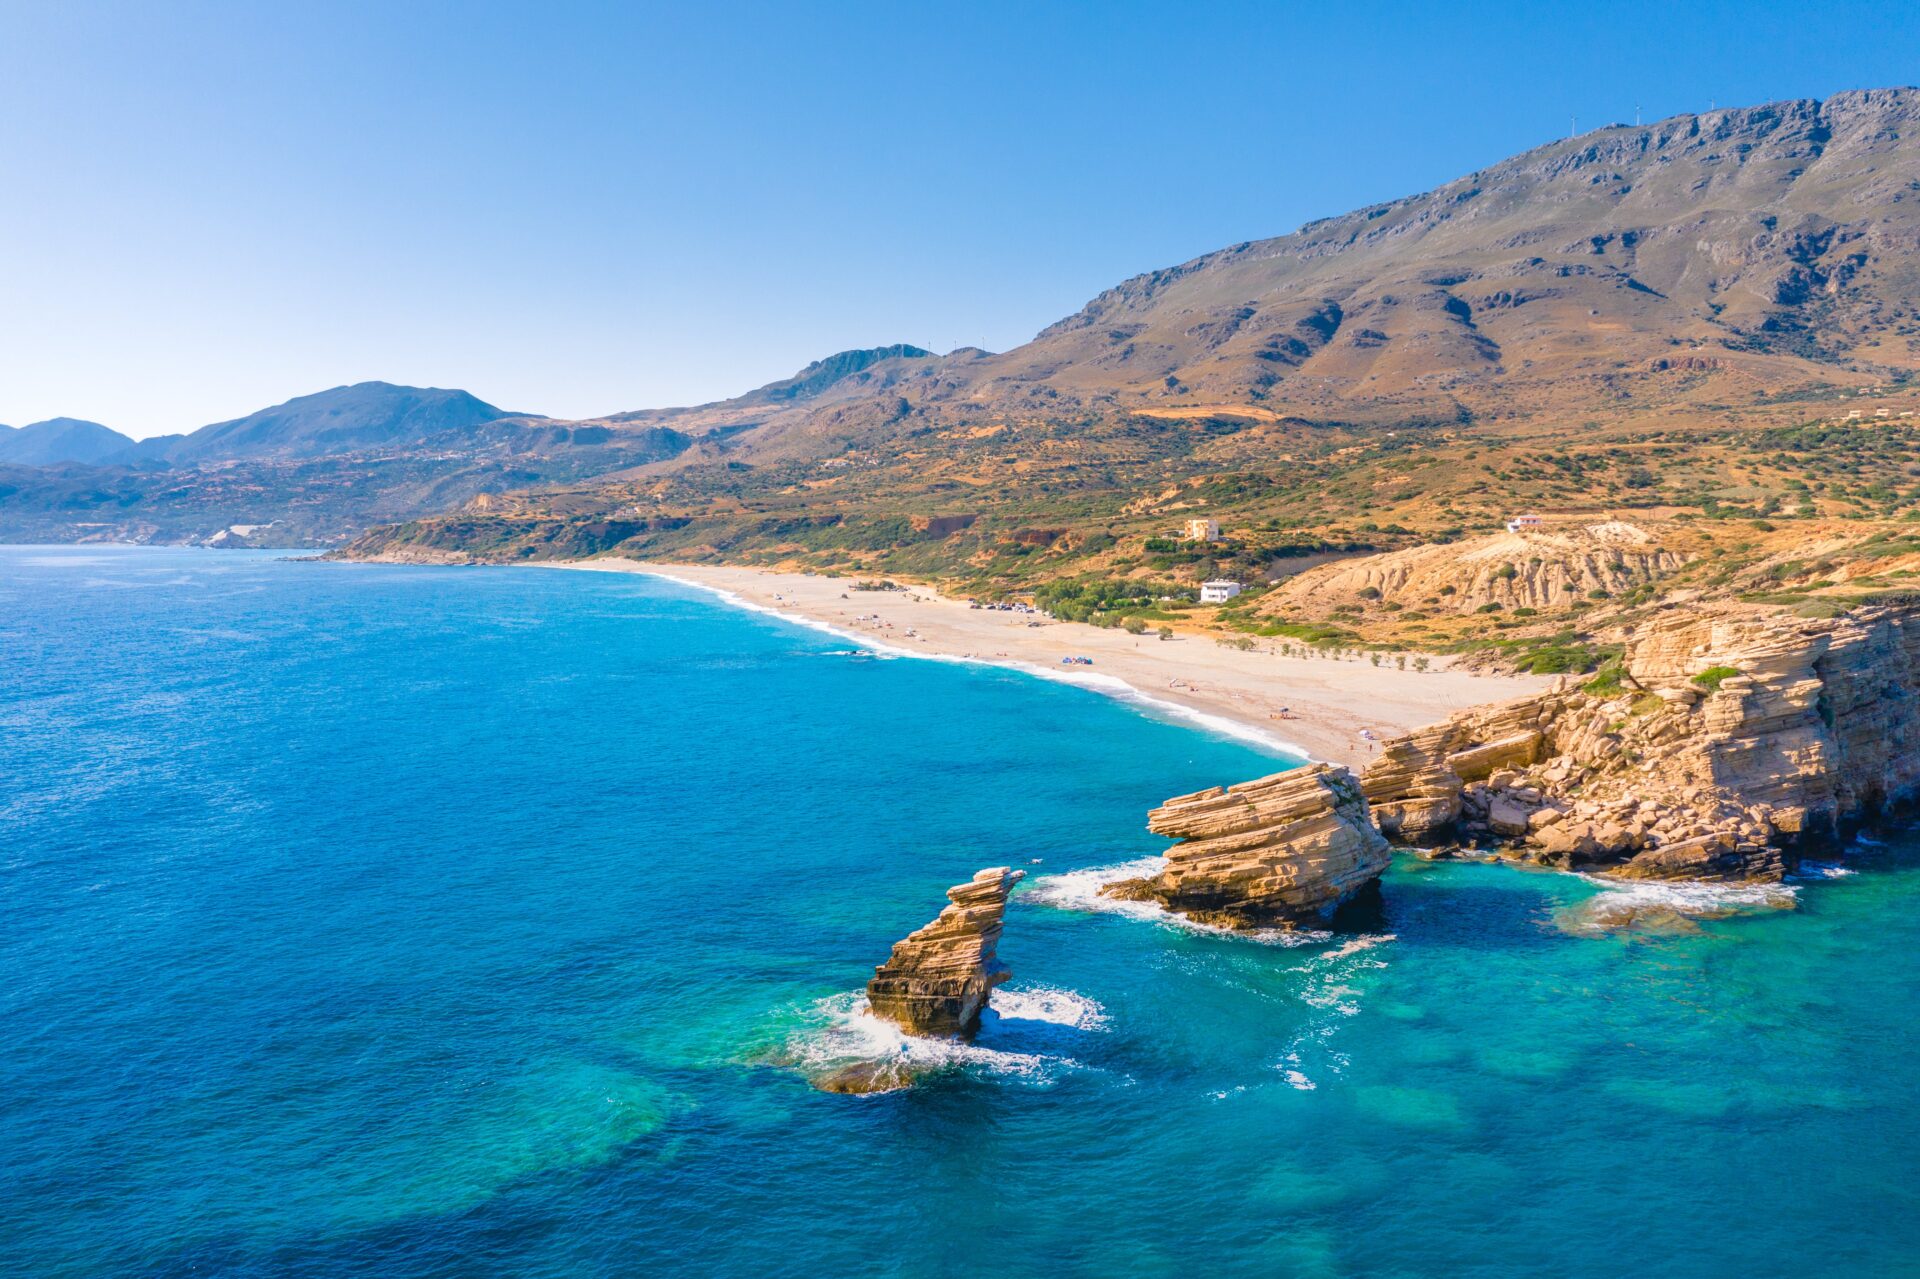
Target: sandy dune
1330	704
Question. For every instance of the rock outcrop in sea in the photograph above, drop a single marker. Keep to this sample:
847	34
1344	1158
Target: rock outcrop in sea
1279	851
1734	742
938	978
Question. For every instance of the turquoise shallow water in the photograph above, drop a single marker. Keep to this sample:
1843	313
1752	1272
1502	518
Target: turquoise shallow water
389	921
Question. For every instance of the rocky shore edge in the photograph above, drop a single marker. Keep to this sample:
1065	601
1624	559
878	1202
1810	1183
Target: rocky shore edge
1723	748
1728	747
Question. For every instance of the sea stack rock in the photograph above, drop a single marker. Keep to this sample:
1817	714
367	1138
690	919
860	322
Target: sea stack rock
937	980
1275	852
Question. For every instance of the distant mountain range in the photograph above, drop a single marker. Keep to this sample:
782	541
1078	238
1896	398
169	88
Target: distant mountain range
346	419
1624	319
319	468
1740	261
60	439
1690	265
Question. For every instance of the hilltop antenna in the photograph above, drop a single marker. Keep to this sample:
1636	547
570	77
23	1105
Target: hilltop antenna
1636	115
1573	125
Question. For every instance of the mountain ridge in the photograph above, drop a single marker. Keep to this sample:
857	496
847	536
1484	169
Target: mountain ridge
1709	319
1708	272
60	440
1696	261
343	418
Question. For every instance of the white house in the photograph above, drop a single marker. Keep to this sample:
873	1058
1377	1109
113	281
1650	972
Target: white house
1218	591
1202	530
1519	522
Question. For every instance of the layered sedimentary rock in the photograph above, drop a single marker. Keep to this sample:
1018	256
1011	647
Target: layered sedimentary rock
1278	851
1541	568
1736	740
938	979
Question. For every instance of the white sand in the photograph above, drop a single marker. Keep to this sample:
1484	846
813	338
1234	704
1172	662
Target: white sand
1329	702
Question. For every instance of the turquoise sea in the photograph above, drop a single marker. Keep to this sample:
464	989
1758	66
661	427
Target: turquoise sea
409	921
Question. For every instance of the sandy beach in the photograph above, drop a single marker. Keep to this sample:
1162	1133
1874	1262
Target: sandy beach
1320	707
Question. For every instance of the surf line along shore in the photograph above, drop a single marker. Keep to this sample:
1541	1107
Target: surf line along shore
1331	705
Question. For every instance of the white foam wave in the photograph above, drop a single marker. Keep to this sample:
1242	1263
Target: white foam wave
1331	988
865	642
845	1031
1354	946
1309	1050
1692	896
1823	870
1049	1004
1117	688
1080	890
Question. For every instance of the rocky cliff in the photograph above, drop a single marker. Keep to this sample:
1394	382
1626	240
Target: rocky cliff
938	979
1551	567
1733	741
1278	851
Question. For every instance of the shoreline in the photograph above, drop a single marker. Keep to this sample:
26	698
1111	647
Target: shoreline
1330	705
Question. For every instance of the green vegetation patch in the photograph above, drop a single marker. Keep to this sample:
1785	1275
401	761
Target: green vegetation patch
1711	678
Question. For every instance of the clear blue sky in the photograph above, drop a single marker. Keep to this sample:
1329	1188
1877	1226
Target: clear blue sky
579	208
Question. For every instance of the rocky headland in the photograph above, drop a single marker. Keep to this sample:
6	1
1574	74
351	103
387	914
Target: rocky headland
1279	851
1729	744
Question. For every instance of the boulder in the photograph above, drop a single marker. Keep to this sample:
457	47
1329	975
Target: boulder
1477	762
1275	852
1507	816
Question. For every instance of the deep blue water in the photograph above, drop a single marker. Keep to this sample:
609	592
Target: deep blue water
396	921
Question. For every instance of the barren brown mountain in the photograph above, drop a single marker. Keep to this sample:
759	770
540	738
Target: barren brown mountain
1701	260
1691	318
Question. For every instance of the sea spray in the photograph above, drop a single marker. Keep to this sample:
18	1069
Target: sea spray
1023	1033
1079	890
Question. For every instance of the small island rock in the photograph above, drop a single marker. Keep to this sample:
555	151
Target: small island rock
938	979
1274	852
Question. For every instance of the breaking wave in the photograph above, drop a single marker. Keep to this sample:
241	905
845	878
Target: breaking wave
1080	890
1671	905
1024	1031
1048	1004
1695	897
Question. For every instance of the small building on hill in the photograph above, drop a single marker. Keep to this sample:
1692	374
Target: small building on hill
1218	591
1203	530
1520	522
